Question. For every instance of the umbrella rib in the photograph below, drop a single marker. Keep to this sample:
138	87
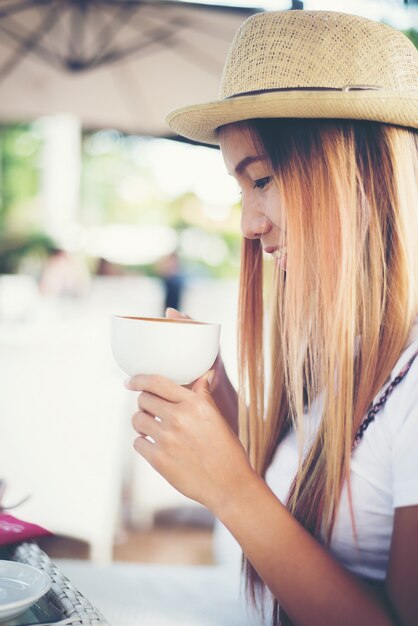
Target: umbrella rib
26	45
158	38
128	50
76	32
218	32
211	64
51	57
16	8
117	55
110	30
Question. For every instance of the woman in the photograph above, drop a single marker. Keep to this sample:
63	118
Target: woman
317	122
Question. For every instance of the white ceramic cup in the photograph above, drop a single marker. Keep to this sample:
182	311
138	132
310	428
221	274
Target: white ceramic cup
182	350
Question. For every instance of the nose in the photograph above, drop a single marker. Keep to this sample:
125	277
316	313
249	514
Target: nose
254	223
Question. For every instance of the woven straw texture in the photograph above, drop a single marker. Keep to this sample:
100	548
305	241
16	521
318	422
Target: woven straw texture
317	49
74	607
310	49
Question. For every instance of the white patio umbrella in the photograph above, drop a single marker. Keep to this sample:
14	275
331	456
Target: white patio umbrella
117	63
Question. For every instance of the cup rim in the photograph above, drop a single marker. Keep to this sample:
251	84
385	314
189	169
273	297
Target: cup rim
165	319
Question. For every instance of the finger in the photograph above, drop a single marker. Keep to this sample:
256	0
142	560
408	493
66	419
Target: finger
159	386
154	405
202	384
145	424
172	313
145	448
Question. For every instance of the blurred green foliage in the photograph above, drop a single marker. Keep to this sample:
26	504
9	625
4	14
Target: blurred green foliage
19	170
15	247
412	34
117	186
20	232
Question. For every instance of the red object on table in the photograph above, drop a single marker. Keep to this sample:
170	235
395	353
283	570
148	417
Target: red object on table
14	530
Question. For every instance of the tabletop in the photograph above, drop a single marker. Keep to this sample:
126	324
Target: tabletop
130	594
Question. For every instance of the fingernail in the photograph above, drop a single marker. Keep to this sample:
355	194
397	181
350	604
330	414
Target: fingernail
126	382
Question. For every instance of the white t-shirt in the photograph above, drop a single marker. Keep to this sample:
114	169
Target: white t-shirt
384	476
384	473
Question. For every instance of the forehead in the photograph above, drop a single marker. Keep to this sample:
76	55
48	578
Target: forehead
236	143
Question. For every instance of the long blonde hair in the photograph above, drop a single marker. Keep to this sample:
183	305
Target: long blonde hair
342	310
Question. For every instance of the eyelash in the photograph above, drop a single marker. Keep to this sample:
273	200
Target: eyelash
261	183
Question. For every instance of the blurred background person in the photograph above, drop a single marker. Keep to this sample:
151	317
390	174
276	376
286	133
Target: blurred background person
64	275
173	277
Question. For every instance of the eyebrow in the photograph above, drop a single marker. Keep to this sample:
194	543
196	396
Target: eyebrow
245	162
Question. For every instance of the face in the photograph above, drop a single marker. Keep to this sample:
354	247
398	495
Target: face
262	211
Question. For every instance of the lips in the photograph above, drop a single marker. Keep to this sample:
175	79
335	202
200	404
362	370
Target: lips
276	252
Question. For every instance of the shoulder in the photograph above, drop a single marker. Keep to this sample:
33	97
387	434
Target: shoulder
402	387
387	453
394	414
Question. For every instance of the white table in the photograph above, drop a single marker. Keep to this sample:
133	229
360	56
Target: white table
63	426
130	594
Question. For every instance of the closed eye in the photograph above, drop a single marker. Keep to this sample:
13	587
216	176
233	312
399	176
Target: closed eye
261	183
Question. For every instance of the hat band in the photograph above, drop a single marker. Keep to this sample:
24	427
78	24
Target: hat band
257	92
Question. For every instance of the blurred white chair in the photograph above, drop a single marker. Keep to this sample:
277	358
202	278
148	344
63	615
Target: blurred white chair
62	409
18	297
127	295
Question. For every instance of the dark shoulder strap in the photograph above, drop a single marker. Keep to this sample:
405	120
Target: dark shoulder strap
375	408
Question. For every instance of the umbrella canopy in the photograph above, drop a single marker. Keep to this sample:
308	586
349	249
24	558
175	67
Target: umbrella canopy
118	63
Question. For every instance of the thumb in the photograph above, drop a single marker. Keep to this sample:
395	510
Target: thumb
172	313
202	385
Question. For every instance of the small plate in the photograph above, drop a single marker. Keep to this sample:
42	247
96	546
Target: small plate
20	586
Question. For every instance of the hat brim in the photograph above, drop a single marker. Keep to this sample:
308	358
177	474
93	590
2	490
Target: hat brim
200	122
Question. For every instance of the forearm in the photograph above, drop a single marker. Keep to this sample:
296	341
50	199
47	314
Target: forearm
310	585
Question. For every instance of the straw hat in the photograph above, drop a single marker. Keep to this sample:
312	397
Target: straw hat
310	64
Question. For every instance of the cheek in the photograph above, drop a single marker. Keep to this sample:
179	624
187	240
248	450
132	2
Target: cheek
273	208
247	201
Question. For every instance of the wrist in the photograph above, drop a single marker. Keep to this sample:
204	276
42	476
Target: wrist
236	494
